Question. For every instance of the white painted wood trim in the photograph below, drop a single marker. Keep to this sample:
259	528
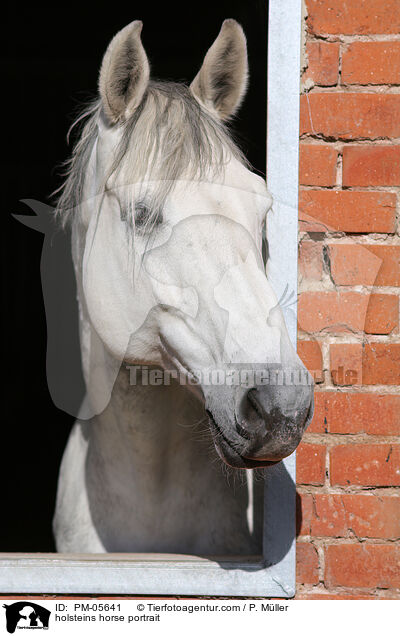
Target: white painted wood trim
283	112
273	575
134	574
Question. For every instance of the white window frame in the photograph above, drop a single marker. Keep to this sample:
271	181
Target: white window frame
273	575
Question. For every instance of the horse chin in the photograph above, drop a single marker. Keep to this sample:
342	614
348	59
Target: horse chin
229	454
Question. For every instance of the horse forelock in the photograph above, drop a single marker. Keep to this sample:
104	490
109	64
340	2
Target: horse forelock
168	137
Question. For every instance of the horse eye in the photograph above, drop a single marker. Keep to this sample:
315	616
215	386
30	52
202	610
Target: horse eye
144	215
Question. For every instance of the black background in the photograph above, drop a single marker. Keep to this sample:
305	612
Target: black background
49	64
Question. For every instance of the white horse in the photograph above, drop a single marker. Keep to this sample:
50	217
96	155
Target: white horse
174	305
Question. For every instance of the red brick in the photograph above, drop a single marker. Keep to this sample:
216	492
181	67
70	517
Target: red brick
349	17
310	260
352	264
382	315
335	312
323	63
365	465
310	464
319	422
349	413
311	355
371	63
306	563
320	515
371	165
350	115
381	363
365	566
304	513
373	517
347	211
311	596
327	517
365	516
365	264
374	363
317	165
389	272
346	364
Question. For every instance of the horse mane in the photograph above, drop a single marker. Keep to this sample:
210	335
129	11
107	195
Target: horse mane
169	136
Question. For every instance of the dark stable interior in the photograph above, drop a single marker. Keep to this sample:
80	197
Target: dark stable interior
50	61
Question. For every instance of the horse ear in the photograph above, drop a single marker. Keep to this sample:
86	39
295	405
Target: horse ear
222	80
124	73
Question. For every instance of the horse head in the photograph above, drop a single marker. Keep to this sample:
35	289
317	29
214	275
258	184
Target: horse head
172	268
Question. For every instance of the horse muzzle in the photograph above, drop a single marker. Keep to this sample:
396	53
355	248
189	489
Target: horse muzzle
260	426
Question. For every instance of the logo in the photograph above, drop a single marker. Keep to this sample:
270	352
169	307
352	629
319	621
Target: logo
26	615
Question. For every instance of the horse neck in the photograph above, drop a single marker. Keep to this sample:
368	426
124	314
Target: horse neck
144	427
150	457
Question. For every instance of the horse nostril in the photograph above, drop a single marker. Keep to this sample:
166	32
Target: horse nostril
243	432
252	398
250	418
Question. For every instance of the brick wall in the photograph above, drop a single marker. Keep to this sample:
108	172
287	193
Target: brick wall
349	272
